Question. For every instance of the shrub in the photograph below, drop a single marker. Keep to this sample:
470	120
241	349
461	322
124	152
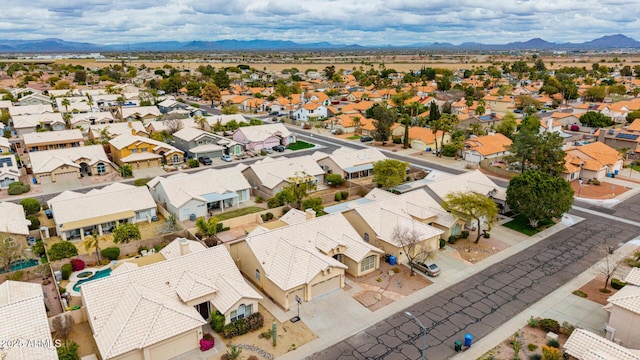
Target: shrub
68	351
207	342
452	239
35	222
553	343
267	216
141	182
549	325
193	163
242	326
338	197
263	152
77	264
274	202
345	195
617	283
533	322
567	328
259	199
582	294
31	206
464	234
266	334
38	248
595	181
449	150
535	356
285	209
141	248
443	243
532	347
66	271
111	253
62	250
17	188
217	321
15	276
397	141
335	179
487	235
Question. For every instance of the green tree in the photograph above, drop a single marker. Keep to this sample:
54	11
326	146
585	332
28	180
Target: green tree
335	179
548	155
389	173
10	251
508	125
209	227
444	84
434	112
315	204
528	104
294	193
221	79
31	206
633	115
230	109
595	119
62	250
472	206
68	351
447	123
539	196
92	242
211	92
126	171
125	232
525	142
596	93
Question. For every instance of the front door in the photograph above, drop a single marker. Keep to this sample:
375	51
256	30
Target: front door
204	309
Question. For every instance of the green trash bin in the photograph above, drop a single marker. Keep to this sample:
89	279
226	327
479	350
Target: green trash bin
457	345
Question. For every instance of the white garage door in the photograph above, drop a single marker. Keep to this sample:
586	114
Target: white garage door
325	286
292	297
44	179
68	176
178	345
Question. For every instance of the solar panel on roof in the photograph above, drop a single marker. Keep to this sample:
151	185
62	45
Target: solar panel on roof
627	136
6	160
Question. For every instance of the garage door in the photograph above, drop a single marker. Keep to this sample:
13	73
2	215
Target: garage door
325	286
292	297
176	346
44	179
67	176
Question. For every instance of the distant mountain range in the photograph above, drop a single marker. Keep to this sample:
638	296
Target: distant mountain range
610	42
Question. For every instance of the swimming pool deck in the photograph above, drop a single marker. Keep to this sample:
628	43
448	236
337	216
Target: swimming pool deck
73	279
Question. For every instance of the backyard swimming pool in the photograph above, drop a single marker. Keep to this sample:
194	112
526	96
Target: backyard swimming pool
98	275
22	264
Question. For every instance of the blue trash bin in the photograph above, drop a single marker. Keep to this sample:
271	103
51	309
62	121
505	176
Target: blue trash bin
392	260
616	172
468	339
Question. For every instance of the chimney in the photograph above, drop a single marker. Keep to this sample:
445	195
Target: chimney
601	135
184	247
310	213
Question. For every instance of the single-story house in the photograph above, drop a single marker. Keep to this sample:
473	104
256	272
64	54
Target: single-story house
5	145
624	317
34	99
267	177
9	171
100	132
13	221
585	345
350	163
51	140
305	259
141	113
100	210
141	152
214	121
30	109
76	104
70	163
86	120
473	181
158	311
264	136
24	318
489	146
160	126
592	161
30	123
202	192
196	143
380	222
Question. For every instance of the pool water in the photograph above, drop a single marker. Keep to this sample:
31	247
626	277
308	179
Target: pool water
98	275
22	264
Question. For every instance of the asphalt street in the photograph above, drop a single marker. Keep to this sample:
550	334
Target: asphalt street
486	300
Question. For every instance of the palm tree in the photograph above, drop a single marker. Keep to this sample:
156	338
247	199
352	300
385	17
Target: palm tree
357	124
93	242
120	100
90	103
200	120
65	102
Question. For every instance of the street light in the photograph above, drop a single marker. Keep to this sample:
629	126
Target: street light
424	331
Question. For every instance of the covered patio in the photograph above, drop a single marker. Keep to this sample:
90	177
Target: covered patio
221	202
359	171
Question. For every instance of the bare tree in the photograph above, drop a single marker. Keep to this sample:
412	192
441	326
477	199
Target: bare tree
608	267
62	326
410	240
10	251
173	125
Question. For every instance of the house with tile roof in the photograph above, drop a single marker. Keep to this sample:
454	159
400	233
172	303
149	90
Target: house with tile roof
265	136
158	311
140	113
9	171
214	121
97	132
268	176
619	139
624	317
34	99
380	222
70	163
30	123
141	152
489	146
310	112
201	193
474	181
349	163
585	345
100	210
51	140
30	109
5	145
594	161
24	320
633	278
13	222
86	120
306	258
195	143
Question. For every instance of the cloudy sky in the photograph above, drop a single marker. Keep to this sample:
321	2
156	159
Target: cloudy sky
365	22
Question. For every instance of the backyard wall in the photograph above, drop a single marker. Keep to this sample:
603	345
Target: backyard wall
79	316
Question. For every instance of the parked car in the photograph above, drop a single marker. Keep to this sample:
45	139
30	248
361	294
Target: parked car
274	113
205	160
279	148
226	157
366	138
268	150
430	269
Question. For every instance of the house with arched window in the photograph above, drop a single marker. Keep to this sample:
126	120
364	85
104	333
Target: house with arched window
70	163
141	152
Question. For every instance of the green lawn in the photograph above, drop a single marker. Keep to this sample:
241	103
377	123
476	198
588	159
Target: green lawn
521	224
299	145
235	213
354	137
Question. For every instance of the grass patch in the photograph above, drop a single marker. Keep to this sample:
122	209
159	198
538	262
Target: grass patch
239	212
582	294
354	137
521	224
299	145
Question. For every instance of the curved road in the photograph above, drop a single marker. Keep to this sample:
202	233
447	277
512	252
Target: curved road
486	300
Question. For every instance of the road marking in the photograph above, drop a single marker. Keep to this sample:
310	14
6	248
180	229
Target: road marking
608	216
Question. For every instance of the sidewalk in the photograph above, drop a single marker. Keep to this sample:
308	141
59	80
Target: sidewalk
560	305
360	322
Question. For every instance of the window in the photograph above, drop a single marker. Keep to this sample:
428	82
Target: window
242	312
100	168
366	237
368	263
176	159
257	274
144	149
134	150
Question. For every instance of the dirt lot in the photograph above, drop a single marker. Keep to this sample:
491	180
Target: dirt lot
290	336
527	335
605	190
380	288
592	289
473	252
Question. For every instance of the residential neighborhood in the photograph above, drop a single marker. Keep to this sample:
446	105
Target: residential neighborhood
186	212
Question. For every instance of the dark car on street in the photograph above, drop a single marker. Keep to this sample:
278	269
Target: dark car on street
205	160
278	148
366	138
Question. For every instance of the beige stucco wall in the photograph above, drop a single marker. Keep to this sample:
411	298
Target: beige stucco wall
626	324
166	349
